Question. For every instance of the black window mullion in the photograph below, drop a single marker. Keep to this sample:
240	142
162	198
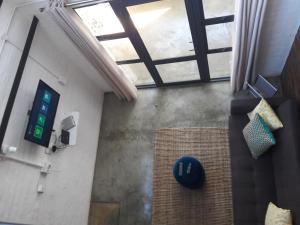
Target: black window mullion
175	60
160	61
108	37
129	61
219	50
137	2
218	20
196	19
184	83
136	40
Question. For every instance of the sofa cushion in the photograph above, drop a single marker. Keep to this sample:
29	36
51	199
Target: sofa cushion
258	136
252	180
278	216
244	106
286	159
267	113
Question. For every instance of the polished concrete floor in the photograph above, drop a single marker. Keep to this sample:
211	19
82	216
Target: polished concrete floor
123	172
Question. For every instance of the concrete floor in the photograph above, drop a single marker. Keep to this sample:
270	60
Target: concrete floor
124	164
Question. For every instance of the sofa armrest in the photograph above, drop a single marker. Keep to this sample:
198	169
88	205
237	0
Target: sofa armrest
243	106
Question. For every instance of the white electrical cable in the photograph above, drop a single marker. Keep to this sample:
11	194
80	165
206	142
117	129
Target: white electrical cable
5	157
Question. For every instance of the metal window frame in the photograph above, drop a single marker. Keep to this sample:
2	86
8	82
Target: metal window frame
135	38
197	23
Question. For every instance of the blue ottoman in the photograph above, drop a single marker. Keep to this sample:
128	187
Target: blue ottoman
189	172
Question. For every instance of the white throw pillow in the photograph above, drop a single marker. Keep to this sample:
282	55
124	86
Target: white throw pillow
278	216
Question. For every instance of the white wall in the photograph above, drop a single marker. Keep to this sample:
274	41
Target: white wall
281	23
68	187
6	12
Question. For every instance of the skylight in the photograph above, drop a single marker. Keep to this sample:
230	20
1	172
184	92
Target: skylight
165	42
100	19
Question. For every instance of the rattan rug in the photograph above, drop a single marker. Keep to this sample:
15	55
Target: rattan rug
174	204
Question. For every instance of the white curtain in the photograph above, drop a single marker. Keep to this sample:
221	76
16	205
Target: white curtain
70	22
249	16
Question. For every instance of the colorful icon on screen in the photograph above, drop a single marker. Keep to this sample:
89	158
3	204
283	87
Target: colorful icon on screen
38	132
44	108
41	119
47	96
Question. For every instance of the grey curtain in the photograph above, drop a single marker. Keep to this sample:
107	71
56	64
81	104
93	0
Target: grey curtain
70	22
249	16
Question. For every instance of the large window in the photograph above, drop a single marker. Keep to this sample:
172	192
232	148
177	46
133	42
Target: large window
165	42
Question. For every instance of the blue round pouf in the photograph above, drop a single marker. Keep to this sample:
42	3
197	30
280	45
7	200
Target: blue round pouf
189	172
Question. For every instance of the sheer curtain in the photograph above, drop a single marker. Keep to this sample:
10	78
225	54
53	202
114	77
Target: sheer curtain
248	18
70	22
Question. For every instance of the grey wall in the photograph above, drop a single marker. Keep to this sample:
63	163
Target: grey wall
281	22
68	186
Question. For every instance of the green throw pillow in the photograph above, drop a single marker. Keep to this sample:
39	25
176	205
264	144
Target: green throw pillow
258	136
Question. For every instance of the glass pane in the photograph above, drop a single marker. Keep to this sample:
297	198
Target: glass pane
220	64
216	8
120	49
219	35
137	73
100	19
182	71
164	27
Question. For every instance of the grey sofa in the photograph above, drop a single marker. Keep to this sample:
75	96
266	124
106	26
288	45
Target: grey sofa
275	176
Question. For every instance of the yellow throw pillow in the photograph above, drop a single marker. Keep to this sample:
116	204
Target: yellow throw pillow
267	113
278	216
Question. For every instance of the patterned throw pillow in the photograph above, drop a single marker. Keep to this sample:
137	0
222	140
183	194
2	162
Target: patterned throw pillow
278	216
258	136
267	113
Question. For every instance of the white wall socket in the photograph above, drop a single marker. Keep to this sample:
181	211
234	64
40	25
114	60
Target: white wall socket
40	189
7	149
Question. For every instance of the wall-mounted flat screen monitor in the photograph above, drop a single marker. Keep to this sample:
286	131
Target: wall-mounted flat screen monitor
42	115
